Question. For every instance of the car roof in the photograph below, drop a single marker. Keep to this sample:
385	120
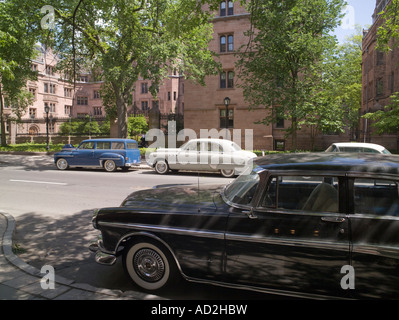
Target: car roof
334	161
212	140
359	144
110	140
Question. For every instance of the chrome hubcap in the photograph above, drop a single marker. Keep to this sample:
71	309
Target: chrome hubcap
149	265
161	166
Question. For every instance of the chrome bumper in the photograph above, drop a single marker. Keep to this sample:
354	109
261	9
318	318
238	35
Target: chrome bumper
101	257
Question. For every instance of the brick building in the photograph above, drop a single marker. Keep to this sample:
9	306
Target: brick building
204	107
66	102
379	79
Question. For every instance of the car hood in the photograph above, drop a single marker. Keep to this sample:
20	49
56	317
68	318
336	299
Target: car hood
186	197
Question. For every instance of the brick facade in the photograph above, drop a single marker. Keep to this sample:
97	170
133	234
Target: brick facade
379	80
203	104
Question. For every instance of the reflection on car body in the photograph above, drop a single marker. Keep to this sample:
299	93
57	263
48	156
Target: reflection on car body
357	147
288	228
218	155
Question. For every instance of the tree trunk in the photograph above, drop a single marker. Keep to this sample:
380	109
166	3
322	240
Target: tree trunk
2	124
121	109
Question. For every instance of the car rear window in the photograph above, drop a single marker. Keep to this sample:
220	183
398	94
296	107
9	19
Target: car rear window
132	145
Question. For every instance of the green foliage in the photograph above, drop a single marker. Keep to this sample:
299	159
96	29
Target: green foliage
17	47
387	120
137	125
283	62
86	126
389	30
128	39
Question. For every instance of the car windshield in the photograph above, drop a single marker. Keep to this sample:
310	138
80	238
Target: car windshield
242	189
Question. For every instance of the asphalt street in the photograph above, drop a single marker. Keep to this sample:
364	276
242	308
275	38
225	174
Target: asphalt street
53	212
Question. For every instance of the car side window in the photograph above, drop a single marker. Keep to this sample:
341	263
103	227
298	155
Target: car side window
376	197
103	145
118	145
193	146
306	193
87	145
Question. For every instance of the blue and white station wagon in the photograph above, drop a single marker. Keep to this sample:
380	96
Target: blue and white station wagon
105	153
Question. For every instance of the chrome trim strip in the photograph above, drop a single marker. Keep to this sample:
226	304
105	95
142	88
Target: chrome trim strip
267	290
377	250
179	231
341	246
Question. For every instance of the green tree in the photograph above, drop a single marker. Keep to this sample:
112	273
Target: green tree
387	120
389	30
278	68
137	125
336	101
126	39
17	48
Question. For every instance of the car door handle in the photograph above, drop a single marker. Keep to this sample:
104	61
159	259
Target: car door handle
333	219
250	214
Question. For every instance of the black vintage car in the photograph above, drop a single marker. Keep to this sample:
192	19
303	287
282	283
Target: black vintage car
311	225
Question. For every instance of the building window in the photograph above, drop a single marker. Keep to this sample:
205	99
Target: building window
174	95
83	78
380	58
168	95
223	8
33	93
223	44
227	79
230	43
144	87
51	106
280	122
49	70
223	118
96	94
144	105
230	9
391	81
51	127
33	67
49	88
32	113
155	104
67	92
67	110
98	111
82	101
379	86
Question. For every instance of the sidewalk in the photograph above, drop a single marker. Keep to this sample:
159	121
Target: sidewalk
20	281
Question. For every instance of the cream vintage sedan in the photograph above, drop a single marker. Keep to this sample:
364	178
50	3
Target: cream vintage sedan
217	155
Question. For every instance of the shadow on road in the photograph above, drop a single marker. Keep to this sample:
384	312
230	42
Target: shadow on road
63	244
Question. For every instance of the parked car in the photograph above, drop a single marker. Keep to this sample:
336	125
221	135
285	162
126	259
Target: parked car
357	147
105	153
306	225
220	155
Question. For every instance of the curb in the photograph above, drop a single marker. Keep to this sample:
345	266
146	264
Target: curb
69	289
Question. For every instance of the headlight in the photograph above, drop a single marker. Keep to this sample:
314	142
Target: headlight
94	219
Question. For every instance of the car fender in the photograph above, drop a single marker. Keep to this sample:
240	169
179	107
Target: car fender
118	158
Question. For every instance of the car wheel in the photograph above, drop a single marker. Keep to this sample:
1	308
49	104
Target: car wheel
227	173
161	167
62	164
149	265
109	166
